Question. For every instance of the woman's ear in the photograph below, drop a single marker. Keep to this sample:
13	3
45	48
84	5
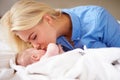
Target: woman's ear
47	18
35	57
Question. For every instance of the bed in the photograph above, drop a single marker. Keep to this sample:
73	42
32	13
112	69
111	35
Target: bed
78	64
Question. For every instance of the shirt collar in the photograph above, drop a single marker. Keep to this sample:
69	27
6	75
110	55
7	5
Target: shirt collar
76	24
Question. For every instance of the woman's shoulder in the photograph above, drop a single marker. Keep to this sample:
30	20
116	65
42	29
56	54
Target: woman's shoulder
85	10
85	7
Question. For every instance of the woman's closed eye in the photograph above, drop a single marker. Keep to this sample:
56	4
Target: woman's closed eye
33	37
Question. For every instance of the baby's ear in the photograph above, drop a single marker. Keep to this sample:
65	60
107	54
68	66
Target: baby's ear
35	57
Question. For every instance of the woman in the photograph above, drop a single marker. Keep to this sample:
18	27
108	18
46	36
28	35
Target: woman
33	22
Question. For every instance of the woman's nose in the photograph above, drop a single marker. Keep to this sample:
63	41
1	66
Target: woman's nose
37	46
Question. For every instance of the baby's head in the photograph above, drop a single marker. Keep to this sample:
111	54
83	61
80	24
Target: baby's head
33	55
29	56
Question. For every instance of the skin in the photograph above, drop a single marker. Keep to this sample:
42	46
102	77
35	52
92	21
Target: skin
29	56
33	55
47	31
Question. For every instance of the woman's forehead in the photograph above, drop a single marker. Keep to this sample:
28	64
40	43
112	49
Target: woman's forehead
25	34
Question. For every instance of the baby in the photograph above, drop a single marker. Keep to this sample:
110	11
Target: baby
33	55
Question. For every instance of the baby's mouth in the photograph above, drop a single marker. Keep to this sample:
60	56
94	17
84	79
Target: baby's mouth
44	49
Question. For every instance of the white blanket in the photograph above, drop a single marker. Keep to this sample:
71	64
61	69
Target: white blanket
89	64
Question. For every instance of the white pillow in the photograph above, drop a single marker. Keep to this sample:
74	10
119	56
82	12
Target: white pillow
4	46
6	51
4	40
5	57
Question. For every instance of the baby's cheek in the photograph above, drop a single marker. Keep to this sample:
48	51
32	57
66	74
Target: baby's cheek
42	54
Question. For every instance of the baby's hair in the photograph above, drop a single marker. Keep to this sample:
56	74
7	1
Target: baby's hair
18	57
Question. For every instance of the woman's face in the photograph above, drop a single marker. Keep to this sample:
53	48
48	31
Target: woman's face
39	36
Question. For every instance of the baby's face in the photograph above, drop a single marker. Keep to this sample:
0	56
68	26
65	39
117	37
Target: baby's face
31	55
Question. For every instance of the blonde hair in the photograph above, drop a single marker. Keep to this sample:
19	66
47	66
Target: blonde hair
25	14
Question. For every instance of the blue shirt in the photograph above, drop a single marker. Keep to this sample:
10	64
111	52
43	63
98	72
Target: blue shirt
92	26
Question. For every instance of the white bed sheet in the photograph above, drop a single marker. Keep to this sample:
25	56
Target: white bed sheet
89	64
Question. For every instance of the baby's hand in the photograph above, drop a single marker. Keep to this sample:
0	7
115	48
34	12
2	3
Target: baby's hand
52	49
